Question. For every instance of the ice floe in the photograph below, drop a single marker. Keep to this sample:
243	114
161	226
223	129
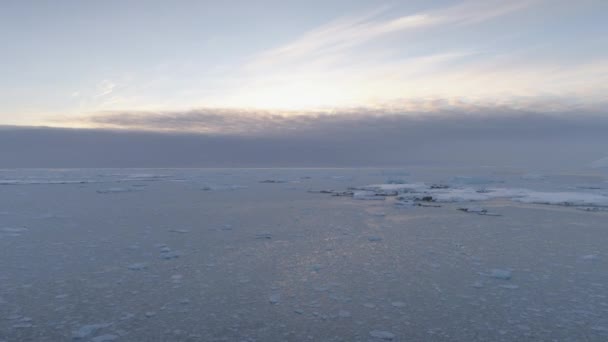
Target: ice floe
416	194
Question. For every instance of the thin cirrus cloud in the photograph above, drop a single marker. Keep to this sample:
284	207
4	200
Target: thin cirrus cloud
355	61
350	32
348	62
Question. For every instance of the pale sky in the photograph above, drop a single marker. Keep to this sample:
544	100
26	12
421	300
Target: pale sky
70	63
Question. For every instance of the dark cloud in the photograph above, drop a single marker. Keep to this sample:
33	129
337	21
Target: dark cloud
366	138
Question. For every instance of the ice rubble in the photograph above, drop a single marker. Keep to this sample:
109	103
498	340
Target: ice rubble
417	193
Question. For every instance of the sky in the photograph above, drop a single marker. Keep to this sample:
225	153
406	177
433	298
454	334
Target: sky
245	69
66	61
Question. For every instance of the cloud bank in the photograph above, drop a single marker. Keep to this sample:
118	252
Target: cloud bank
240	139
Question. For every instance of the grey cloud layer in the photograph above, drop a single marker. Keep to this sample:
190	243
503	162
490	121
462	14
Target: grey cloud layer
269	140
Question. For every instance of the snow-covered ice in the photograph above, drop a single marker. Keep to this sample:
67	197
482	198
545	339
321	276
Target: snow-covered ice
183	255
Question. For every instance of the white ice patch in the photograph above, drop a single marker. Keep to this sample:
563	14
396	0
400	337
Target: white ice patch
418	191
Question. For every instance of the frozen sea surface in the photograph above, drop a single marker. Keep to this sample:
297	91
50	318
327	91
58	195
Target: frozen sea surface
294	255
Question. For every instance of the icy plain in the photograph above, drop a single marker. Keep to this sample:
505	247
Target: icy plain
423	254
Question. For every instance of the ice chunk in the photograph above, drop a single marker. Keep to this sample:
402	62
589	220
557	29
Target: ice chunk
274	298
382	335
344	314
88	330
13	230
222	187
138	266
478	284
316	267
169	254
500	274
564	198
476	210
474	180
113	190
600	163
367	195
179	231
590	257
105	338
263	236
